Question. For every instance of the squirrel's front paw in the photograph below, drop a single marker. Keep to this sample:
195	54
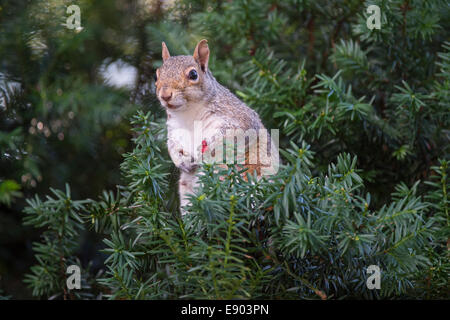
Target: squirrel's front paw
187	163
188	167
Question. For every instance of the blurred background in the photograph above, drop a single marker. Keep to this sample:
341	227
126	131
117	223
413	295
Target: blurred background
66	99
66	95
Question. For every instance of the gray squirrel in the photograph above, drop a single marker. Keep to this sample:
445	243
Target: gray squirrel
193	99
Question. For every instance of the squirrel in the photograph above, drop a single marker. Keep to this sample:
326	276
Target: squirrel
193	99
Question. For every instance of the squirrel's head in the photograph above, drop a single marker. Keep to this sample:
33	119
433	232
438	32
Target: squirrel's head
183	79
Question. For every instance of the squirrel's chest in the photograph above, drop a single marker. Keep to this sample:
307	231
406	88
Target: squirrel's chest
192	125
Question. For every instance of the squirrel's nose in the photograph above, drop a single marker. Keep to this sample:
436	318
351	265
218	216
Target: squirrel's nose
166	96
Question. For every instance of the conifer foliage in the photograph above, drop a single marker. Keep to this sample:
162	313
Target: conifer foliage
363	118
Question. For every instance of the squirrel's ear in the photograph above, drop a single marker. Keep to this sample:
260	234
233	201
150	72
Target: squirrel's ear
165	52
201	54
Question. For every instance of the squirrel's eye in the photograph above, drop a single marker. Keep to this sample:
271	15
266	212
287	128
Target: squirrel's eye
193	75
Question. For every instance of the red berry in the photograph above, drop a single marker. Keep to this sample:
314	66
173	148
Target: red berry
204	146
